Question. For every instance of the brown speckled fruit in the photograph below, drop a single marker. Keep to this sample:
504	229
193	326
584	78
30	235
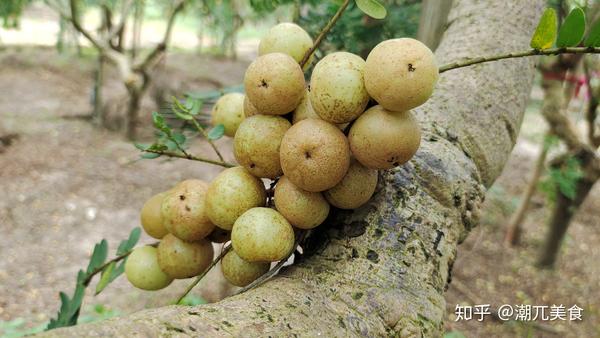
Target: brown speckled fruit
231	193
219	235
337	89
229	111
249	108
382	139
184	213
256	144
142	270
287	38
355	189
262	235
180	259
151	217
400	74
240	272
314	155
274	84
303	209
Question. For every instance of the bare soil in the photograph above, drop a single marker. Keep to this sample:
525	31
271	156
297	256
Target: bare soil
65	184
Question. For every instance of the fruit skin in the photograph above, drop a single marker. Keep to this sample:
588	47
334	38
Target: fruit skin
231	193
142	269
355	189
256	144
180	259
287	38
274	84
151	217
219	235
400	74
314	155
183	211
229	111
303	209
249	108
305	111
262	235
382	139
337	89
240	272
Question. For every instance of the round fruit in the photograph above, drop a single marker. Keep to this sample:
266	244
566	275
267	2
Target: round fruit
382	139
231	193
151	217
180	259
337	89
240	272
142	270
305	111
184	212
219	235
314	155
256	144
229	111
274	84
400	74
249	108
303	209
355	189
262	235
286	38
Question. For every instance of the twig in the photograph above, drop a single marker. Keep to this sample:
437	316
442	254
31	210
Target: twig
188	156
530	52
260	280
99	269
324	32
124	14
205	134
75	20
199	278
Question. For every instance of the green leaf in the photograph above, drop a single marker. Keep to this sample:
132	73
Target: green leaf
142	146
372	8
196	107
160	124
105	277
118	271
129	243
216	132
545	33
572	30
179	138
192	300
149	156
593	37
98	256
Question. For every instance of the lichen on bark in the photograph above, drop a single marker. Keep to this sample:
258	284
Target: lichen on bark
382	269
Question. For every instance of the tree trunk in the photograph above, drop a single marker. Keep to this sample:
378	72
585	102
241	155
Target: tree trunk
513	234
432	23
138	20
98	112
381	270
133	108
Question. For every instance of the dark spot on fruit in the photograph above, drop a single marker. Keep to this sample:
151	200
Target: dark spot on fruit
252	165
396	164
187	208
373	256
263	83
411	68
182	197
307	154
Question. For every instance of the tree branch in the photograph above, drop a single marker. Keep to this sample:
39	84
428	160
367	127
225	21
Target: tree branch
187	156
74	18
205	134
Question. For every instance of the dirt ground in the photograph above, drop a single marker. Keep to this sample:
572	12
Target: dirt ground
65	184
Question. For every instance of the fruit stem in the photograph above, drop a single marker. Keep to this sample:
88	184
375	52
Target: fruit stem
324	32
205	134
200	276
530	52
190	157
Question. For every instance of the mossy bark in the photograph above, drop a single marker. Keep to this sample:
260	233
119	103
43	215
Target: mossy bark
382	269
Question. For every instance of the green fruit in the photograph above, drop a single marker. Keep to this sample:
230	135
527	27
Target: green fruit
231	193
355	189
229	111
180	259
400	74
142	270
274	84
256	144
240	272
303	209
151	217
286	38
219	235
314	155
337	89
184	212
262	235
249	108
305	111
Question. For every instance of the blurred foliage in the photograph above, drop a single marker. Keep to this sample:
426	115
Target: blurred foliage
10	11
563	179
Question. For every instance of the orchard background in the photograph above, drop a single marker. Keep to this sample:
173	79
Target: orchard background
70	176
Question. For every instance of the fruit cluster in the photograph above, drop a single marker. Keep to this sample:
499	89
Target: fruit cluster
322	144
